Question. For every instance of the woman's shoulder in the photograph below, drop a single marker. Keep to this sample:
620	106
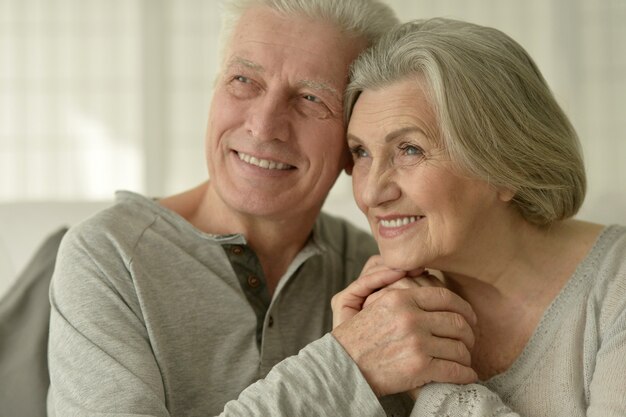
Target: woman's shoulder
607	270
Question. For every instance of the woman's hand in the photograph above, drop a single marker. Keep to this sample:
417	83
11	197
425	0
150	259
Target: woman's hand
417	278
425	279
404	330
374	276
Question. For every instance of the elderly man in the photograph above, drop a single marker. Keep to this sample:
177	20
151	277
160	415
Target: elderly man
189	305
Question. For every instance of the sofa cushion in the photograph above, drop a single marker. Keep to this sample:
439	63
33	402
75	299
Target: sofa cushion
24	317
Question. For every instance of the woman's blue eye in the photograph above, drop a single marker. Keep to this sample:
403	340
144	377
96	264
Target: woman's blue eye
242	79
411	150
358	152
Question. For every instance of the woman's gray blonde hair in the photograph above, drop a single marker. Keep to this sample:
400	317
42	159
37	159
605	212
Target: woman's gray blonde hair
367	19
497	116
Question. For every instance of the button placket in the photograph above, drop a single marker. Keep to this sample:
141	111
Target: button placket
250	276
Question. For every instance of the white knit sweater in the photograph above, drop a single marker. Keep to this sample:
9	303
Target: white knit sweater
575	362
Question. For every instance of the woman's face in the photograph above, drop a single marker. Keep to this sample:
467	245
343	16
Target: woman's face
422	212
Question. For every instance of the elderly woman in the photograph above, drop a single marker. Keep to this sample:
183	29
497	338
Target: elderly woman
465	164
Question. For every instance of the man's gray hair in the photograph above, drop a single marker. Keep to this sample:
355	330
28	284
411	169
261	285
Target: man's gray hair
366	19
497	117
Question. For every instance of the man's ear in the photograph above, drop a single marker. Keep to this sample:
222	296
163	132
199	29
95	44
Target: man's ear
505	194
349	165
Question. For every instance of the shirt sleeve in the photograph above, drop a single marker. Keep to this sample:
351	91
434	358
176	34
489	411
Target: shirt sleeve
473	400
321	380
99	355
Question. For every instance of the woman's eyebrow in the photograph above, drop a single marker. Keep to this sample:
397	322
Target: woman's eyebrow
400	132
353	138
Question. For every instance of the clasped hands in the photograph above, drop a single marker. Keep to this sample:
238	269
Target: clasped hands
404	329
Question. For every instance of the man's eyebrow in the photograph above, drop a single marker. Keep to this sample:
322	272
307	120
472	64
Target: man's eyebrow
321	86
237	60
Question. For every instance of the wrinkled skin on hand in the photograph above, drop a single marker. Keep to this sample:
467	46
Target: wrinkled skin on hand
404	329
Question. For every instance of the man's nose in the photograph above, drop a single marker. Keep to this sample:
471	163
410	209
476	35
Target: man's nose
267	118
381	186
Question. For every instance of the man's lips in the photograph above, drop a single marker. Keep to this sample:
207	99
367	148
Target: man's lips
263	163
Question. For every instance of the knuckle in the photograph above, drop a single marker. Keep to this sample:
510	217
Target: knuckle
416	343
458	321
393	296
415	367
462	353
454	371
335	300
443	294
404	322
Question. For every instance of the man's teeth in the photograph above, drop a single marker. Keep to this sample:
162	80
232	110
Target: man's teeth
263	163
399	222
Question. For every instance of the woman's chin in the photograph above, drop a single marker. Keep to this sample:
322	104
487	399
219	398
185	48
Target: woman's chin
395	260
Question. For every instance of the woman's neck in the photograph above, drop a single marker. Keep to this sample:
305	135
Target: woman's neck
520	280
522	260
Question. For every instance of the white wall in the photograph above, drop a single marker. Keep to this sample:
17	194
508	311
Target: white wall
105	94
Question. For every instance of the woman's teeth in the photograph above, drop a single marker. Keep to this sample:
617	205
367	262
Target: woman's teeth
399	222
263	163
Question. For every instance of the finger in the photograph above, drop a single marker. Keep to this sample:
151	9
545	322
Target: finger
367	284
442	299
441	370
402	283
450	350
348	302
372	298
428	280
451	326
372	262
416	272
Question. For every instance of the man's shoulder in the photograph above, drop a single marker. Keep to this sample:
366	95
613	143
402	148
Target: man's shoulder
120	225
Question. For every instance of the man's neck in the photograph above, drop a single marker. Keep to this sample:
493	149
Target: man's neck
276	242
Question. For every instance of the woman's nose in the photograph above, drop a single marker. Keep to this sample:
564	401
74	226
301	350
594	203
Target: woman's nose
380	187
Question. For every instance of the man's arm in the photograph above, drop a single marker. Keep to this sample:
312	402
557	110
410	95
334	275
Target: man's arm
102	359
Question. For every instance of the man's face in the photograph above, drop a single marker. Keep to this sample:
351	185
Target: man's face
275	139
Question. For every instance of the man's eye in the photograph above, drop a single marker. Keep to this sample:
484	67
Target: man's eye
312	98
242	79
312	106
